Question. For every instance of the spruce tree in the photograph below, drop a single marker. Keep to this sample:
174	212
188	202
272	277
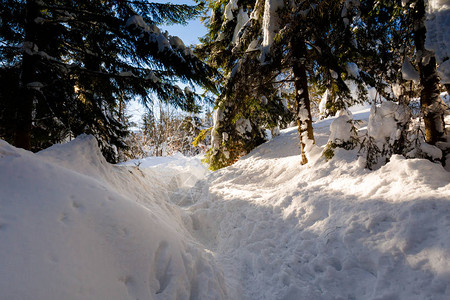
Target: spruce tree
241	113
431	105
295	45
74	61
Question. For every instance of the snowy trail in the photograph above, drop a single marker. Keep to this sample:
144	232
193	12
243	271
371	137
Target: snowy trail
73	226
328	230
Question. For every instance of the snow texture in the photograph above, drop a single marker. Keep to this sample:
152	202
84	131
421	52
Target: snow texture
229	8
341	130
323	104
438	35
384	119
243	126
242	19
409	72
270	25
176	43
73	226
163	40
352	69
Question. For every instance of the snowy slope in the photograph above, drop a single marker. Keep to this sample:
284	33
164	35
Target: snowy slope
74	227
327	230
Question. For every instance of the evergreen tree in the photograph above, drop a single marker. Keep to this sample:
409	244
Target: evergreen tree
66	65
297	43
431	105
392	35
241	113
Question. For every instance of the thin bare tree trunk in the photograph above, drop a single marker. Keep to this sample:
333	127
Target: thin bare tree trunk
23	126
303	102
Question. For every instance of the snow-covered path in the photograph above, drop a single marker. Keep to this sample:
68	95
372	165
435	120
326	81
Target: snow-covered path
327	230
74	227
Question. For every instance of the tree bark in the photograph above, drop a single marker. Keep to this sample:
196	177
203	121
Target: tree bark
22	136
303	102
433	114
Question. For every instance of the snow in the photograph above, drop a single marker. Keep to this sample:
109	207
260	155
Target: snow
243	126
438	33
242	19
270	25
352	69
384	119
163	40
73	226
341	130
138	21
176	43
432	151
409	72
323	104
229	8
152	77
84	229
35	85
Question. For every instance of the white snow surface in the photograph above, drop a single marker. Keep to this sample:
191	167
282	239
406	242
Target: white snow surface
352	69
75	227
383	121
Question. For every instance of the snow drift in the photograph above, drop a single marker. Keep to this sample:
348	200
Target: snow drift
73	226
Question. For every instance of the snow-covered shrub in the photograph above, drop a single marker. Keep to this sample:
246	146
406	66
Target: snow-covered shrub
232	135
343	134
420	149
386	133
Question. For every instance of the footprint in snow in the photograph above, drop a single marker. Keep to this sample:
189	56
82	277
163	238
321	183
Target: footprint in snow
162	263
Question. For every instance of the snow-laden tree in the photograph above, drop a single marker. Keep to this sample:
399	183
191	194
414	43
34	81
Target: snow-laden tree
67	64
394	39
291	43
241	116
431	104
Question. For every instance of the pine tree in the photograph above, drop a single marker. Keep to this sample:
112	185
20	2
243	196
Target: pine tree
297	44
74	61
241	114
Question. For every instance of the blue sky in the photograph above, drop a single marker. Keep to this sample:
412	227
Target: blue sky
190	35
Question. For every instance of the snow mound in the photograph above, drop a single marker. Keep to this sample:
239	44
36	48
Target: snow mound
74	227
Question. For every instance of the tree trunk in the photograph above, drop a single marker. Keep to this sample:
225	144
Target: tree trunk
433	114
304	118
22	135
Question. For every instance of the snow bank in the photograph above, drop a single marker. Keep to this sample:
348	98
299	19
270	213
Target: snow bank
75	227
